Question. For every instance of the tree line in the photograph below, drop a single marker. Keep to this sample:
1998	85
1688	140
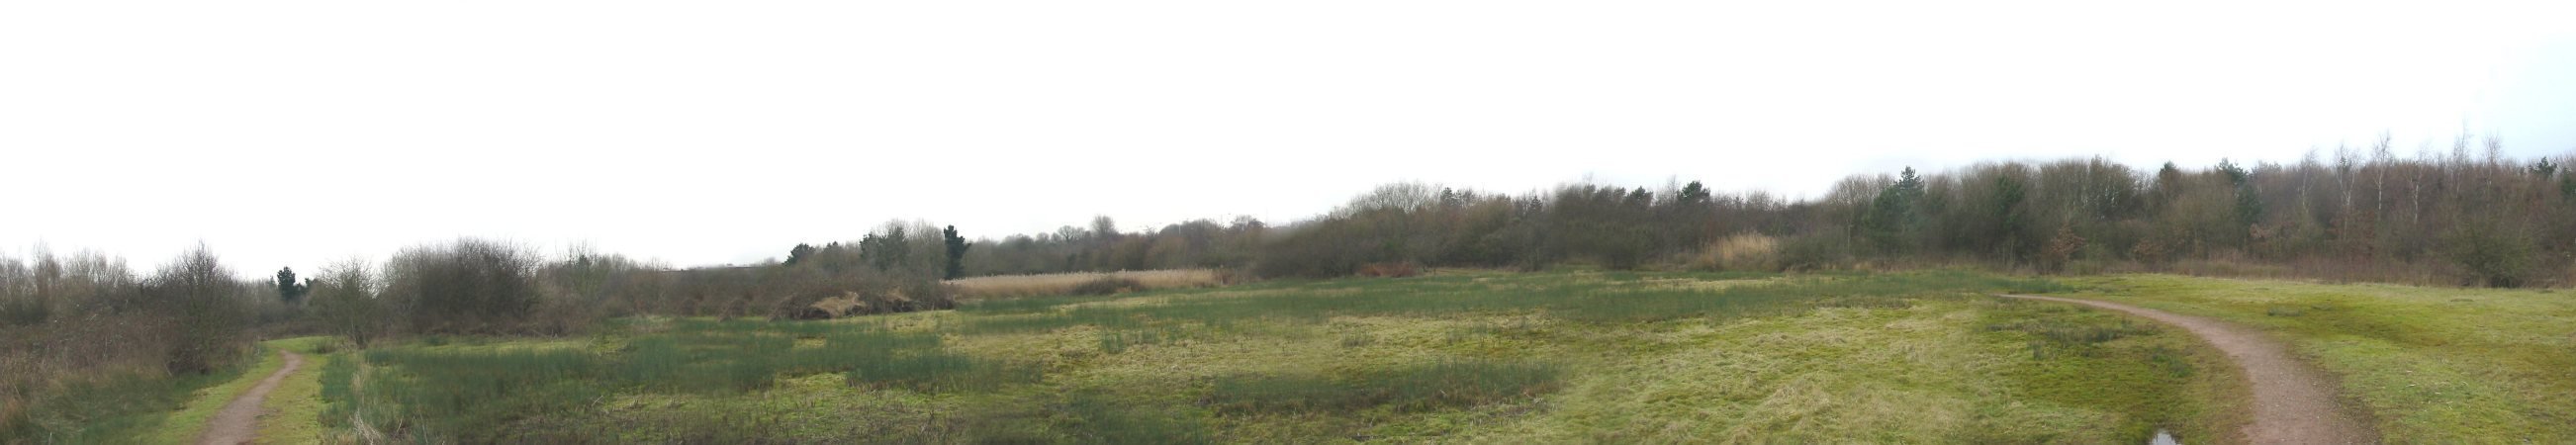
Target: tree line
2467	215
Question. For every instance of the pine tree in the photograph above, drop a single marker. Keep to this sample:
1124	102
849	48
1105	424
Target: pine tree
956	252
1696	194
799	253
288	290
1893	217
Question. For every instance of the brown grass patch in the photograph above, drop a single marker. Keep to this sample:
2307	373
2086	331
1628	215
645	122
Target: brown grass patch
1748	251
1015	286
1389	270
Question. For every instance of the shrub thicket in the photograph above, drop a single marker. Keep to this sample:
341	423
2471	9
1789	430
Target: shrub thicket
1107	285
467	286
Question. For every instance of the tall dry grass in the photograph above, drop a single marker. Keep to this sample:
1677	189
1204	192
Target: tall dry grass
1017	286
1745	251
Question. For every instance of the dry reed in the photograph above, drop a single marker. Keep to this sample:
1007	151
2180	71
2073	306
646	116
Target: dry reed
1016	286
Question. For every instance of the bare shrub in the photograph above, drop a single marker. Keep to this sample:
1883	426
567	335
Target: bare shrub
2493	255
207	309
345	300
2061	250
468	286
1815	251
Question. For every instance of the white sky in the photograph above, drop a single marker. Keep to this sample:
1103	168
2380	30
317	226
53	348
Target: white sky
294	133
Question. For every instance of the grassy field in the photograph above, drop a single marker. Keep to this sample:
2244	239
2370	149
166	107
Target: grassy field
1457	357
2432	365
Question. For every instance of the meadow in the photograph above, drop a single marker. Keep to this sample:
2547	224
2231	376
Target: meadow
1457	356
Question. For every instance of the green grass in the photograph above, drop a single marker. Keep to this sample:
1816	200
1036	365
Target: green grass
173	410
497	392
126	409
2430	365
190	420
2074	353
1463	357
336	392
1440	385
292	408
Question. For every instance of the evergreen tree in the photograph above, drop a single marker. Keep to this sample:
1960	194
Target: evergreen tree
1696	194
956	252
887	251
1893	218
799	253
288	290
2010	217
2236	175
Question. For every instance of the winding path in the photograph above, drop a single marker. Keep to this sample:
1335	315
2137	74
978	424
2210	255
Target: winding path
2293	402
238	422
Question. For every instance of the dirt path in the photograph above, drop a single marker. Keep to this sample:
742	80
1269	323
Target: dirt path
2293	402
238	423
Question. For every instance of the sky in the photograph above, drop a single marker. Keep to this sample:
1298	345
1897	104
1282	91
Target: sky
296	133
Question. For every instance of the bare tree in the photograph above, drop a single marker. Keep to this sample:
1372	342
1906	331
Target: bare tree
347	302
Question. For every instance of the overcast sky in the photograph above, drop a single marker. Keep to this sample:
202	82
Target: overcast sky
295	133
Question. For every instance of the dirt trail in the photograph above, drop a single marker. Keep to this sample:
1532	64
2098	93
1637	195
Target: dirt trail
2293	402
238	423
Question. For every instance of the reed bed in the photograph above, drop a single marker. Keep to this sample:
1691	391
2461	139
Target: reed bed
1044	285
